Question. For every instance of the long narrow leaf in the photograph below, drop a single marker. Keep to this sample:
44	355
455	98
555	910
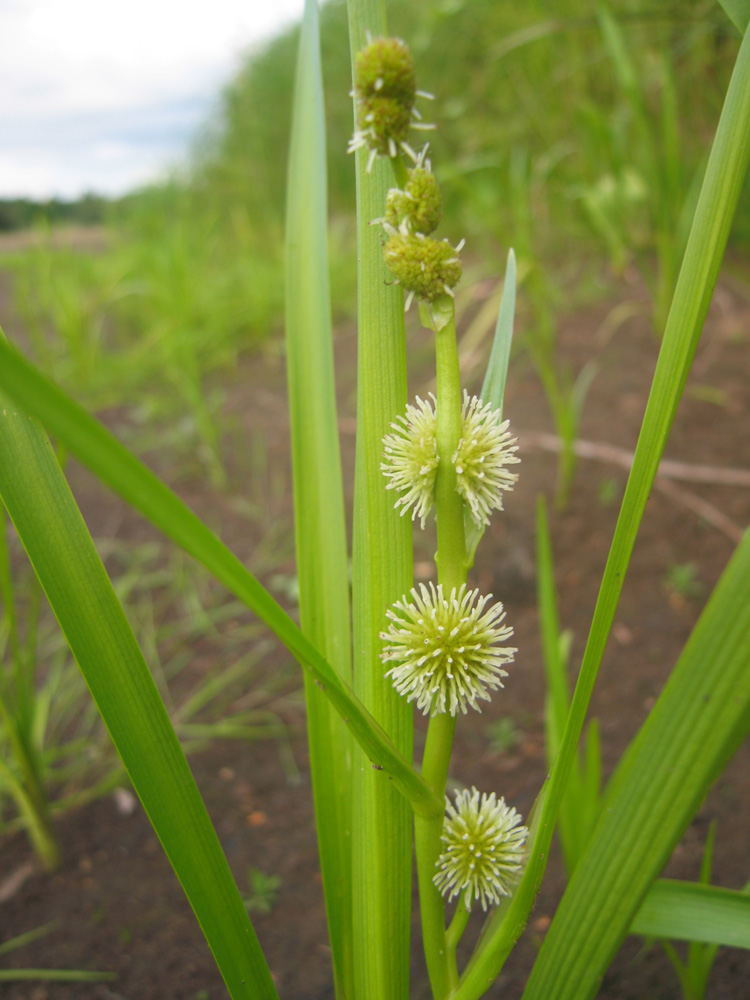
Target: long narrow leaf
493	387
381	574
320	526
64	558
690	911
108	459
738	12
699	720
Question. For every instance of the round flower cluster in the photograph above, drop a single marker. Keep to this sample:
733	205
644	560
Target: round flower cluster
446	649
426	267
417	208
486	446
411	459
385	91
483	849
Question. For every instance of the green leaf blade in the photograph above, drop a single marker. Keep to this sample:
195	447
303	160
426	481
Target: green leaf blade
493	387
738	12
381	574
320	526
52	530
691	911
699	720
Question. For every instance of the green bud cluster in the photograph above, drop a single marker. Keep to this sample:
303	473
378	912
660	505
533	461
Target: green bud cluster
385	88
426	267
419	207
385	68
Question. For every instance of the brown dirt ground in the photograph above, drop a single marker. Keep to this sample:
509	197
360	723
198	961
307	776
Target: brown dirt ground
120	907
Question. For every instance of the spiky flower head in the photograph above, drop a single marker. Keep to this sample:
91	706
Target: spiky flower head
419	207
410	459
485	448
483	849
385	91
446	650
426	267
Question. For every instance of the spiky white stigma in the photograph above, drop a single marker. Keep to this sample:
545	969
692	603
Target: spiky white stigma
485	449
445	650
410	459
483	849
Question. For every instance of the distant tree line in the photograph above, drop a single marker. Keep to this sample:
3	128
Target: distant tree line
23	213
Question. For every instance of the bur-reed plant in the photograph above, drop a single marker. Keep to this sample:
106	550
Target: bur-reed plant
444	646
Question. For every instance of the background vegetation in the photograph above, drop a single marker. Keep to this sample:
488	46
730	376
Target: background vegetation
587	130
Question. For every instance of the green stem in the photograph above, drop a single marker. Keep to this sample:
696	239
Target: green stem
452	569
8	599
399	171
451	551
427	833
455	933
31	798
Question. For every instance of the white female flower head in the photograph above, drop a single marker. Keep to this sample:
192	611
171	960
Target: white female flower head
483	849
445	650
411	459
485	448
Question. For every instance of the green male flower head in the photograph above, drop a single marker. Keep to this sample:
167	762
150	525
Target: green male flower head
419	207
425	267
483	849
385	91
445	649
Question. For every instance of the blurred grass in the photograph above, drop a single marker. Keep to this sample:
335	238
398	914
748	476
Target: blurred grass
583	130
207	655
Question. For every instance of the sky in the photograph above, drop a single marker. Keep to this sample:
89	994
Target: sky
102	97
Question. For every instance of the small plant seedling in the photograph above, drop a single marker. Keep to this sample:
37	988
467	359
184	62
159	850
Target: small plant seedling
681	579
608	491
503	734
264	891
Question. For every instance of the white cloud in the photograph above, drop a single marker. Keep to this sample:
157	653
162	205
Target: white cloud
73	66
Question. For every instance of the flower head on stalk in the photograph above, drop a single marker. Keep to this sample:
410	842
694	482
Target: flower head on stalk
485	448
445	650
410	459
426	267
385	91
418	208
483	849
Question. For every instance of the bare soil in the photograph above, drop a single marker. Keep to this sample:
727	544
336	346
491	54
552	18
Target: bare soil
117	901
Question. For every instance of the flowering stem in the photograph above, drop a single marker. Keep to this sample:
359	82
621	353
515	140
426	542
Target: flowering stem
452	569
455	933
427	847
451	551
